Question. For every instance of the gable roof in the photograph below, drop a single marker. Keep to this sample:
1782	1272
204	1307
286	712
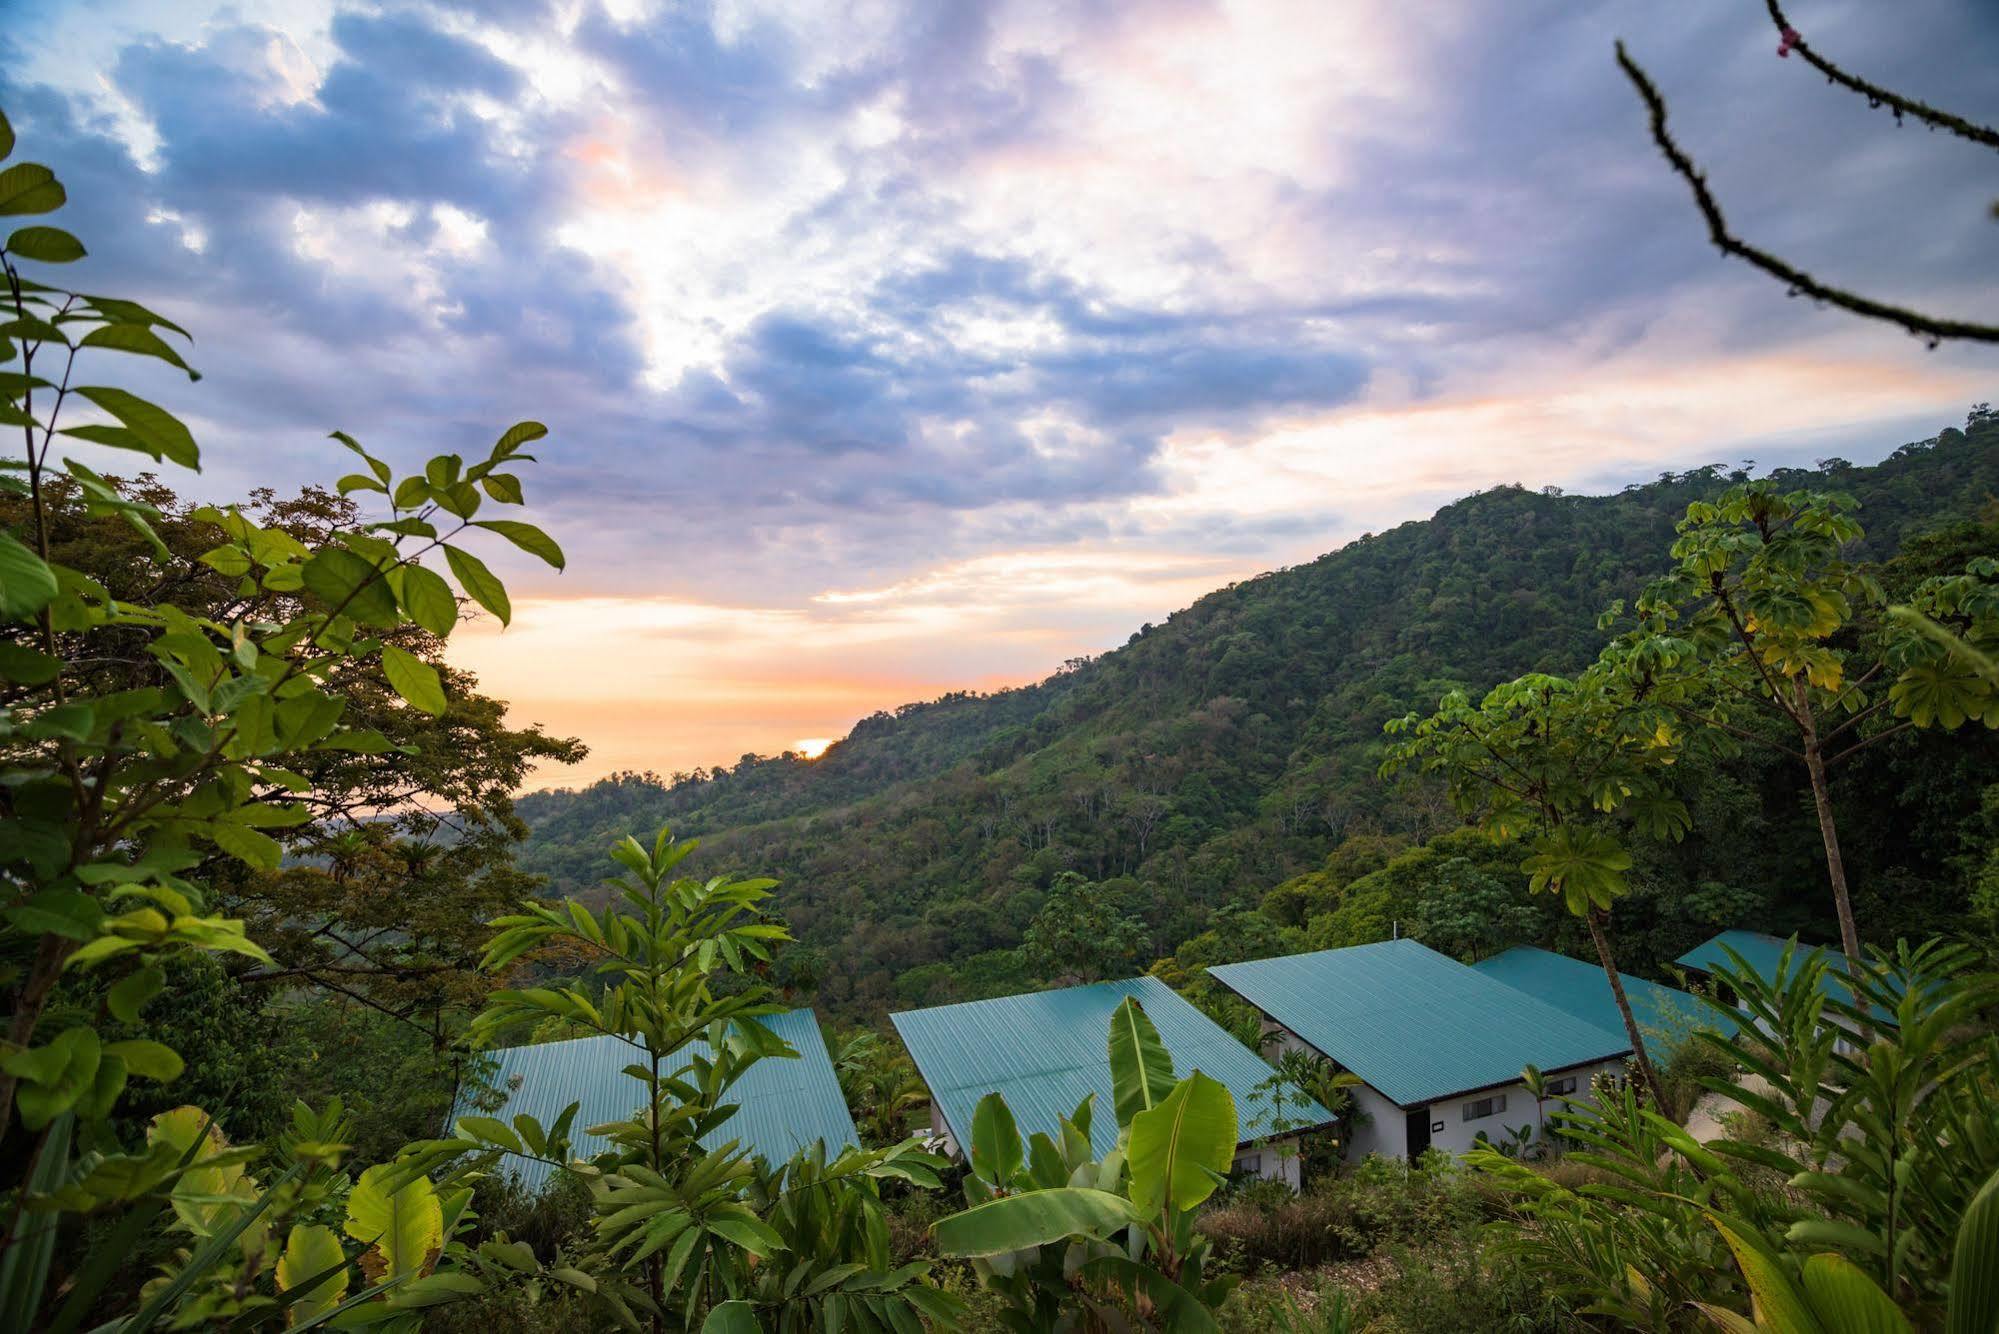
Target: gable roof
1764	952
1416	1025
1047	1050
1665	1015
783	1105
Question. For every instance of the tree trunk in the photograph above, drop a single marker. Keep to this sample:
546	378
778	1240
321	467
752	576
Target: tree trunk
29	1002
1597	918
1849	933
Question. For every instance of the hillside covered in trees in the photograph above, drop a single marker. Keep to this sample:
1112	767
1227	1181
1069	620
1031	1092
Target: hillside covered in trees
1233	750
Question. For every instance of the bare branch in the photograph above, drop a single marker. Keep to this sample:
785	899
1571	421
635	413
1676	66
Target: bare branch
1801	283
1875	94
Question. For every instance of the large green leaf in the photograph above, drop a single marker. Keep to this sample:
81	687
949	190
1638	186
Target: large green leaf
734	1317
50	245
29	187
403	1229
352	584
414	679
1974	1269
1180	1149
527	537
159	432
310	1252
1848	1301
995	1146
1779	1307
1035	1218
480	584
428	599
139	340
1141	1067
26	582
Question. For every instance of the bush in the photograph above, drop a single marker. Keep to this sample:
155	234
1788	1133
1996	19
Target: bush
1380	1202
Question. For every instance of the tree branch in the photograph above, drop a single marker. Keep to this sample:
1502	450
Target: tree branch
1875	94
1801	283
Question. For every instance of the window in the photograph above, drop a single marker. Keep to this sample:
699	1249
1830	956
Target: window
1480	1108
1250	1162
1557	1087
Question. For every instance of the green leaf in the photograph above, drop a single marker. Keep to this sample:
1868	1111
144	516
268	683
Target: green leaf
752	1235
1586	867
429	600
732	1317
143	1056
310	1252
27	584
50	245
247	846
1141	1067
351	585
158	431
1180	1149
138	340
520	433
131	993
504	488
359	481
6	136
525	536
26	666
414	679
403	1229
1974	1268
1847	1300
995	1146
1034	1218
480	584
1780	1307
29	187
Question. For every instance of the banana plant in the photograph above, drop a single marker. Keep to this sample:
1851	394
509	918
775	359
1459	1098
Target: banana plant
1073	1243
1829	1294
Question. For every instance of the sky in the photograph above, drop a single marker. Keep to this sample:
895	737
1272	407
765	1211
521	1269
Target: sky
896	348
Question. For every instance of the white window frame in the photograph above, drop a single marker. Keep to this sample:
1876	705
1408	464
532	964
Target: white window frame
1562	1087
1494	1105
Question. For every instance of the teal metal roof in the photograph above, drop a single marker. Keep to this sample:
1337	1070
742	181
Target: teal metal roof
1759	951
783	1105
1763	953
1413	1024
1666	1015
1048	1050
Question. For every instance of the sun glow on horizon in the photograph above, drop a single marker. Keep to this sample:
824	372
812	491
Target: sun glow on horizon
812	747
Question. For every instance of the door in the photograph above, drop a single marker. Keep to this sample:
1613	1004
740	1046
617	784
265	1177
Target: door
1419	1132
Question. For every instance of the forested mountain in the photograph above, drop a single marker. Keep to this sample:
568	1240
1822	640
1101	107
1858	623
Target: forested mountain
1234	747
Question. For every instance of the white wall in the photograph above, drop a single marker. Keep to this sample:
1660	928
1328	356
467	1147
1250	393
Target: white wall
1381	1127
1459	1135
1274	1160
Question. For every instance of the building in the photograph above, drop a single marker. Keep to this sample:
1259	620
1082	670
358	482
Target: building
783	1105
1438	1046
1666	1016
1763	953
1046	1051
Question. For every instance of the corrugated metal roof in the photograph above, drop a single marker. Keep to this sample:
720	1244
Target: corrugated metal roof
1048	1050
1763	952
1414	1024
1666	1015
783	1104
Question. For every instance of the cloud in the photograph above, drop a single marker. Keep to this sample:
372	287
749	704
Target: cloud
819	301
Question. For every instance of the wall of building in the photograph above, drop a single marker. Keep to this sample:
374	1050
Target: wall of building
1273	1160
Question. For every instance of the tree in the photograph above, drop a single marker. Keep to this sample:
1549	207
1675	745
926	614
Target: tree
406	853
671	1210
142	740
1546	758
1764	619
1081	934
1797	280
